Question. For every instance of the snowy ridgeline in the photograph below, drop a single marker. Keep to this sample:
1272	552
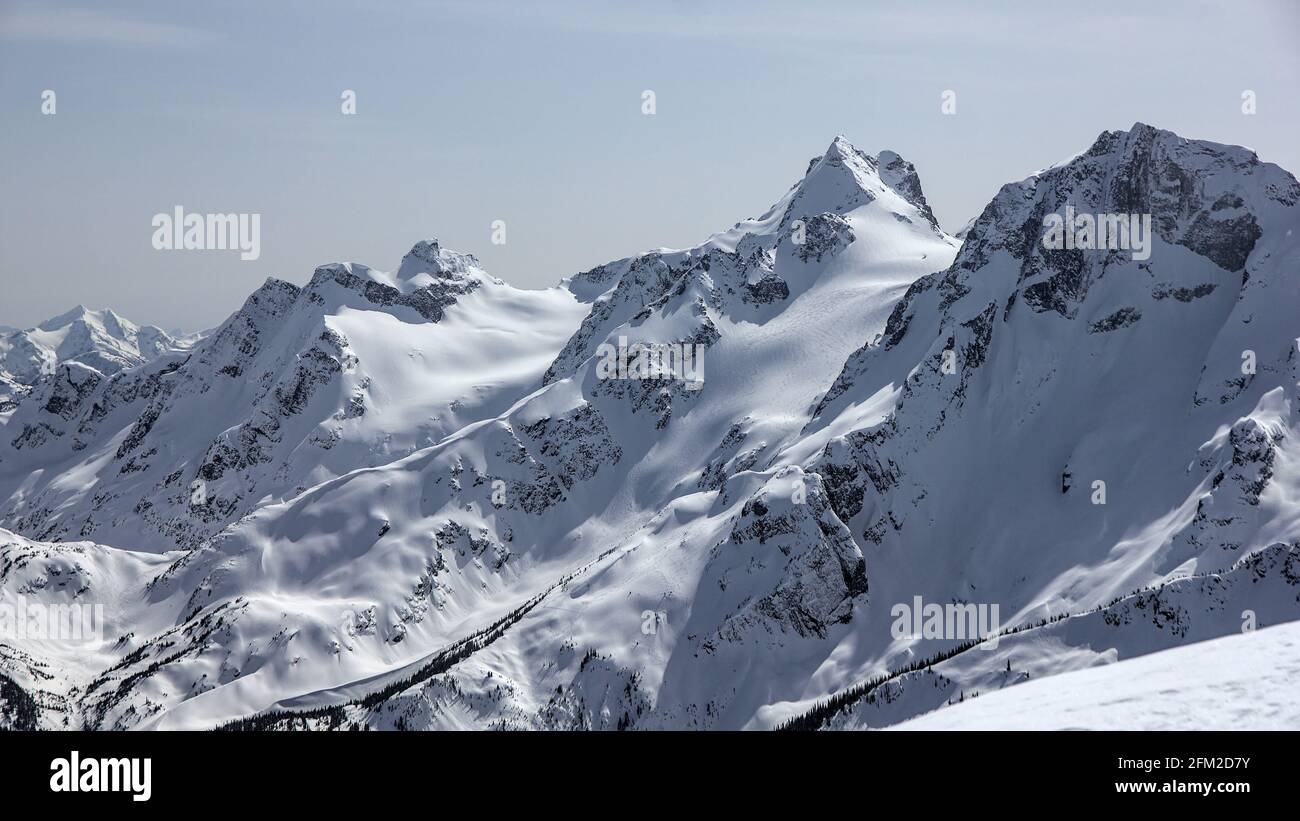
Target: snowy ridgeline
423	499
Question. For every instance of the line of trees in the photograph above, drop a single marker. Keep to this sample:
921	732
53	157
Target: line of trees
18	710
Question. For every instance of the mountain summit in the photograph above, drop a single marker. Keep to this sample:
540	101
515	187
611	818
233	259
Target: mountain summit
428	257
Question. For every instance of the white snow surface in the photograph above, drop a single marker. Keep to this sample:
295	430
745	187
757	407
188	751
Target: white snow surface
1239	682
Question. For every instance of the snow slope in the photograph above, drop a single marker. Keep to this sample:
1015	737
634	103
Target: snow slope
1238	682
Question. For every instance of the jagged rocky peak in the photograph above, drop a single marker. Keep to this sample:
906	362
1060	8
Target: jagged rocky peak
426	264
901	176
1150	197
840	180
835	183
429	279
1144	141
428	257
270	300
1174	176
845	178
1205	196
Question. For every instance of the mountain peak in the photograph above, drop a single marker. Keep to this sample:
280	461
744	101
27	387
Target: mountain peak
846	177
105	320
1142	139
840	180
429	257
78	311
901	176
841	147
842	154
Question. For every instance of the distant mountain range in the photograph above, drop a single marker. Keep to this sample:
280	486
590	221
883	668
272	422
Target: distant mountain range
99	340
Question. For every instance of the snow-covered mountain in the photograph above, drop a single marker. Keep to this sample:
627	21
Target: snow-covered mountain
427	499
300	385
101	341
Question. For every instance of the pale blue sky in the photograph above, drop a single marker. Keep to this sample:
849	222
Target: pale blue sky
530	112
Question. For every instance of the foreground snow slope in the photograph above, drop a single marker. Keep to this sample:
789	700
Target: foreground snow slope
1238	682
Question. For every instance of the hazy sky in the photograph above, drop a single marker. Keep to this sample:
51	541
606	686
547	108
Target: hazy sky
531	113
